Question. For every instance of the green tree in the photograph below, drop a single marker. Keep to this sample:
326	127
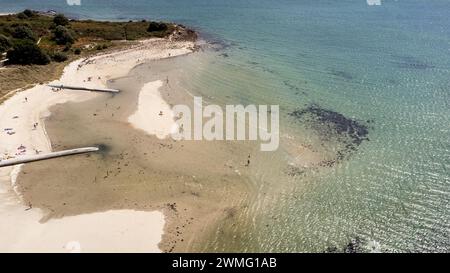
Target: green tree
26	14
23	32
26	52
59	57
60	20
5	43
22	16
29	13
63	36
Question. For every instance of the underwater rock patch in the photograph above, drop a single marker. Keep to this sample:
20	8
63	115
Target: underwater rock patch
354	246
331	125
357	245
340	124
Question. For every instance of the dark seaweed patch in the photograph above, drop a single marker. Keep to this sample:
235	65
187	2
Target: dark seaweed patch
409	62
268	70
340	124
331	125
392	81
291	86
294	88
354	246
342	74
294	171
215	42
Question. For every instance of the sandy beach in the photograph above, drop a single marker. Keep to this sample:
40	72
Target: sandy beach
151	104
22	129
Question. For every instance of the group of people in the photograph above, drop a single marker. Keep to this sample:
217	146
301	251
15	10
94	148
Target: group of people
9	131
56	89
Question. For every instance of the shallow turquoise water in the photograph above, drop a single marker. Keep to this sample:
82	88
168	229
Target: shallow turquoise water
387	63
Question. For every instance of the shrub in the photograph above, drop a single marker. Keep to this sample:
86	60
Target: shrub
26	14
100	47
63	36
27	52
77	51
5	43
29	13
23	32
22	16
60	20
157	26
59	57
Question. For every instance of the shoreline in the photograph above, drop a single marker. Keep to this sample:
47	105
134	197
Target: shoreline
19	121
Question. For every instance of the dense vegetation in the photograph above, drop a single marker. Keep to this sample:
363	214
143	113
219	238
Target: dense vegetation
27	52
157	26
31	37
63	36
5	43
60	20
23	32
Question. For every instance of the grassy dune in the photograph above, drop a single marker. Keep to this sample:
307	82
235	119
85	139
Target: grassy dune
90	37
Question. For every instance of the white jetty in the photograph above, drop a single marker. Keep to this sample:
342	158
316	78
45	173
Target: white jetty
107	90
39	157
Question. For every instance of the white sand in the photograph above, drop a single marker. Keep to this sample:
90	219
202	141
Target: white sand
20	228
153	114
113	231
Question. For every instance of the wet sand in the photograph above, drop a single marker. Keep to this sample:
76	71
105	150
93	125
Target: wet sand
209	193
23	224
193	183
